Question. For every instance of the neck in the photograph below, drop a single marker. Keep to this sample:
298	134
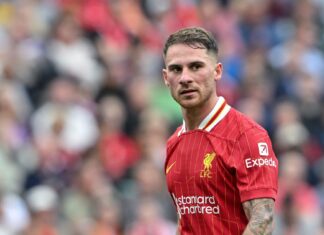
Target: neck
194	116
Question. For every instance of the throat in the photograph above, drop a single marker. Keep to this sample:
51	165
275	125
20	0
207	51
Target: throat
193	118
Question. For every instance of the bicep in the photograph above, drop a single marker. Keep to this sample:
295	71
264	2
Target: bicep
260	214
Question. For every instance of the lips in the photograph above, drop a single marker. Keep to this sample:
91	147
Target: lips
187	91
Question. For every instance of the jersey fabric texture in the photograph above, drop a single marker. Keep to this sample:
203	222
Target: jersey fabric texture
210	171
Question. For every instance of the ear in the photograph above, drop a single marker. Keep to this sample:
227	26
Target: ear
218	71
165	77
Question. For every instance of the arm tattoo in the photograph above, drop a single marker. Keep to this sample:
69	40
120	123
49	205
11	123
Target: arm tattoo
260	215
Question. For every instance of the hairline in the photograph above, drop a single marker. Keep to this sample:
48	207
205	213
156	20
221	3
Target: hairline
205	41
193	45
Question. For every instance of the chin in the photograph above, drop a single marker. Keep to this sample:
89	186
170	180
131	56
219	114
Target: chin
189	104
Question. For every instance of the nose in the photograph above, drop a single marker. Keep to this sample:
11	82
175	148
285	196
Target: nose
185	77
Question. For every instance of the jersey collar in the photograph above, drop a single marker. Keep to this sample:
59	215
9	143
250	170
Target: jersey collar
219	111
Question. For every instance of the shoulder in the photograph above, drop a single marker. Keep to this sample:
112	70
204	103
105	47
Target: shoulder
247	135
252	138
245	125
236	124
174	137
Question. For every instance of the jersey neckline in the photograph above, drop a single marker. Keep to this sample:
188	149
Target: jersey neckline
219	111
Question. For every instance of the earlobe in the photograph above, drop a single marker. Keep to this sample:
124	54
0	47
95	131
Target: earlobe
218	71
165	79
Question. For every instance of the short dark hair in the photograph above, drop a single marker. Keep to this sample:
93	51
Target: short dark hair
195	37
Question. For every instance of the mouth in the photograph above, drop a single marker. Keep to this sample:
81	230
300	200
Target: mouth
187	91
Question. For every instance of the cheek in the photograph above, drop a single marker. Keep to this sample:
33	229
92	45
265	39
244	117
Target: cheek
172	83
208	83
205	78
173	87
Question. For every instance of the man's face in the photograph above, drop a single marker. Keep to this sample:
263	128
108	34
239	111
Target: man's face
190	73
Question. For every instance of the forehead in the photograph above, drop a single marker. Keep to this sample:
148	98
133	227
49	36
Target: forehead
182	54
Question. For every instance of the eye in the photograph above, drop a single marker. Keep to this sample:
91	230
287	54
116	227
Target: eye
195	66
175	69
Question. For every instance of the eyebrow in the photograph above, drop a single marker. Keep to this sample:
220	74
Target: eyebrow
190	63
196	62
171	66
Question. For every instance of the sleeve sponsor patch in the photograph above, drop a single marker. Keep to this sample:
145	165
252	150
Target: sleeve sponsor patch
263	149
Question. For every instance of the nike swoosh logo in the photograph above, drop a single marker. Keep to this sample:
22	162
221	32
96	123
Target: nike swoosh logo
169	168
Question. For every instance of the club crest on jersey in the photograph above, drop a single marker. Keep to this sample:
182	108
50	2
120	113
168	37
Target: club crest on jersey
208	158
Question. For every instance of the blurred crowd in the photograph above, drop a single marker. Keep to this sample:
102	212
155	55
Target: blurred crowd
84	114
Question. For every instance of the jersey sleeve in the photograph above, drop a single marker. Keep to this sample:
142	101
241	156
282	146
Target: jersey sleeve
256	165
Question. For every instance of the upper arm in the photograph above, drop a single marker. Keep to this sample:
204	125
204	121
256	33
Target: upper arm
256	165
260	214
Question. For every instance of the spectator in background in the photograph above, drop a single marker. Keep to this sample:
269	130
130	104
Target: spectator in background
108	218
289	131
149	220
13	136
148	183
85	203
298	211
118	152
63	130
14	214
63	117
152	135
318	168
42	202
73	54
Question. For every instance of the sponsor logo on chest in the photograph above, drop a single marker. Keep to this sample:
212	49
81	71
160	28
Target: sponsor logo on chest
196	204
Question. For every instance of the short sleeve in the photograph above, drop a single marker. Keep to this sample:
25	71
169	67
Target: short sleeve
256	165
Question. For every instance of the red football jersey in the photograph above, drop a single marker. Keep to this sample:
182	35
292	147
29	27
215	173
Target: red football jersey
210	171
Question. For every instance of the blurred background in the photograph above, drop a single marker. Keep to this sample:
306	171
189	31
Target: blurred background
84	115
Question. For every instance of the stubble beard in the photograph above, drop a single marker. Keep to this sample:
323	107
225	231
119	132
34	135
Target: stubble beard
198	99
195	103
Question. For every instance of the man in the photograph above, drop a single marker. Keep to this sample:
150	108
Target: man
220	169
